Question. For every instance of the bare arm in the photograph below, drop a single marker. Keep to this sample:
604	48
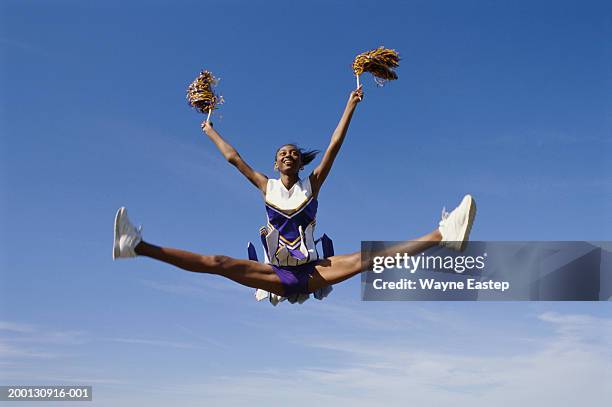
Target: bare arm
232	156
320	173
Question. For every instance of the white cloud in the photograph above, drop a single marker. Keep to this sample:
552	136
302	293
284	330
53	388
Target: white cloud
156	342
15	327
565	368
10	351
26	341
567	364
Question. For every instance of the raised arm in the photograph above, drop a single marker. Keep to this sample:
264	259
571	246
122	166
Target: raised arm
320	173
232	156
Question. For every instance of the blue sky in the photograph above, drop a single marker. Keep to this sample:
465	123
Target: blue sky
507	100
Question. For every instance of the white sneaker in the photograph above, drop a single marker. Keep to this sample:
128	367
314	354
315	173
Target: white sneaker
127	236
455	226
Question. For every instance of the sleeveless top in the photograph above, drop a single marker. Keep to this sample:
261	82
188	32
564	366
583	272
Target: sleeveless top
288	237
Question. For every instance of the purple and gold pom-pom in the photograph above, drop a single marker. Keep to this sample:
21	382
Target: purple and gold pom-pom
201	95
380	62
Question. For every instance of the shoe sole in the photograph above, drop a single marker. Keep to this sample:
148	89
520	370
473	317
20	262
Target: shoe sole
116	253
468	229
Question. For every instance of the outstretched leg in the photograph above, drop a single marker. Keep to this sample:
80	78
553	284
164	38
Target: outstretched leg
339	268
453	232
246	272
128	243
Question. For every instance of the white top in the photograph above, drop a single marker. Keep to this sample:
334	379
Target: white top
288	236
288	199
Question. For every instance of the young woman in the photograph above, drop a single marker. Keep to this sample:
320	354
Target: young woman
293	265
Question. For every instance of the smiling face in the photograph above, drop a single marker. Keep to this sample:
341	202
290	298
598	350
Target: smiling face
288	159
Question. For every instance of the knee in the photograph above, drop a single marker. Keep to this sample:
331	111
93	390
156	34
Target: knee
354	262
351	263
221	263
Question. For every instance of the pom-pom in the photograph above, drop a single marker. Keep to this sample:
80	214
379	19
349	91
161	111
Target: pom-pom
380	62
200	93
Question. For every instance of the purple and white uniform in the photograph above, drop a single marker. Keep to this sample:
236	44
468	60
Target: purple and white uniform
288	236
288	239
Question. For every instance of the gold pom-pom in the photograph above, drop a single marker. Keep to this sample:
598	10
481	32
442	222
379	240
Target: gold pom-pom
200	93
380	62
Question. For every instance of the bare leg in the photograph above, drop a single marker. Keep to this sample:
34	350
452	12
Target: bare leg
246	272
259	275
339	268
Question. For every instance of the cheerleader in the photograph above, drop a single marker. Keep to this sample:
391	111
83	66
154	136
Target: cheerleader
292	265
